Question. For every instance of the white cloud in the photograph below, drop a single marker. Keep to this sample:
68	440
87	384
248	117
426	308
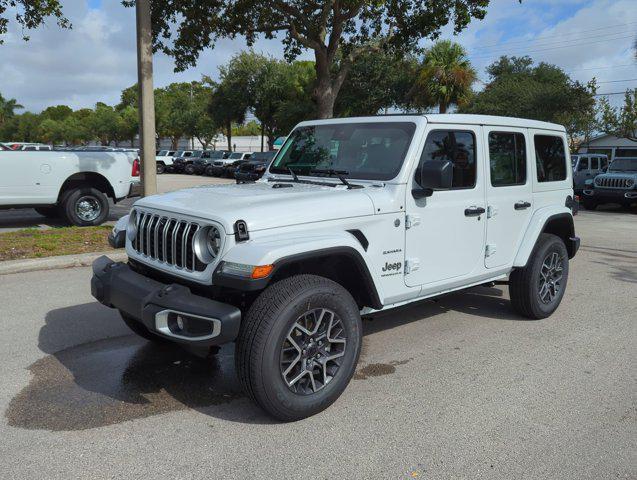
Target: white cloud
96	59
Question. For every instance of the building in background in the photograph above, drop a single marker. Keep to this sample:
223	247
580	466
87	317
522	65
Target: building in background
611	146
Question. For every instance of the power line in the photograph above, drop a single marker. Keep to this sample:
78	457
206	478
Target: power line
568	40
603	68
619	81
542	37
552	48
610	93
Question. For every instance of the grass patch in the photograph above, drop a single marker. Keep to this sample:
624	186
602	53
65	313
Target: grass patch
36	243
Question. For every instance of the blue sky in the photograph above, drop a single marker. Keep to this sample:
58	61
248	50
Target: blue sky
96	59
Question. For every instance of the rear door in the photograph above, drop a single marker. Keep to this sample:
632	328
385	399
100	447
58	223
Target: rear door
509	192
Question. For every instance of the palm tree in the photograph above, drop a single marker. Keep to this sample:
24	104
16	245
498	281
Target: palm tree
7	108
445	77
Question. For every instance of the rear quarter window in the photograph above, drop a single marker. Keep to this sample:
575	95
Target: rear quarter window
550	158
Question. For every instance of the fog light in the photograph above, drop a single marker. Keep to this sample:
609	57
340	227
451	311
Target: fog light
180	322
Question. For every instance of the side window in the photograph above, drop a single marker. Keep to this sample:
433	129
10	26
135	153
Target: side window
583	164
459	147
595	163
550	158
507	158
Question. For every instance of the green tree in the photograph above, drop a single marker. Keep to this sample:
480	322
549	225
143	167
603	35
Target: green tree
445	77
173	111
378	80
58	112
103	124
52	131
518	88
128	123
27	127
30	14
8	106
621	122
337	32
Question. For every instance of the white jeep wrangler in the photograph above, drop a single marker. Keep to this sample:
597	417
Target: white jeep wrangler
354	215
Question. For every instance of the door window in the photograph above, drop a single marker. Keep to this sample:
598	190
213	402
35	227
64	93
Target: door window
595	163
550	158
583	164
459	147
507	158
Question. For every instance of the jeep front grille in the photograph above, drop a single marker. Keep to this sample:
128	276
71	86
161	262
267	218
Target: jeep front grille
167	240
613	182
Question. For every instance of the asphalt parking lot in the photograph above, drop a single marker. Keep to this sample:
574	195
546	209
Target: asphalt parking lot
459	387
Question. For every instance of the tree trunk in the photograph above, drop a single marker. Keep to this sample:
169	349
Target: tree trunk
229	135
262	134
443	107
174	142
325	91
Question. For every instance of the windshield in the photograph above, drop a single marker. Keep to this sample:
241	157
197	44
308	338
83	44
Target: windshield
263	156
373	151
623	165
179	153
217	154
235	155
197	153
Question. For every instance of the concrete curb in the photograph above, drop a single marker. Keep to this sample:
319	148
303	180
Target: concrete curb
62	261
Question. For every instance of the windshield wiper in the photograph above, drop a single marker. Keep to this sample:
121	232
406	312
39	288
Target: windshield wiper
340	174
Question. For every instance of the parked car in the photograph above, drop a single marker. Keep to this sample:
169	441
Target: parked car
207	158
179	160
587	166
218	167
75	186
354	215
36	148
164	159
617	185
254	168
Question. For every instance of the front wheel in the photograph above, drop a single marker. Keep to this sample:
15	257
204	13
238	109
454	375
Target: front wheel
189	169
161	168
537	289
298	346
589	204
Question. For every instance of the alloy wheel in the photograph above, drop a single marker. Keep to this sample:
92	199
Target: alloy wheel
551	275
312	351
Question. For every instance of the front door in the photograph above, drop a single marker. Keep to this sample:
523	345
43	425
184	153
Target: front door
509	192
445	238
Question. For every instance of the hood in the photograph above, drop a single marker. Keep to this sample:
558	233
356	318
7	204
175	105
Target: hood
262	206
627	174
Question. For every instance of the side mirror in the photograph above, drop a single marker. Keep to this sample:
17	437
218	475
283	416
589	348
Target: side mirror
433	175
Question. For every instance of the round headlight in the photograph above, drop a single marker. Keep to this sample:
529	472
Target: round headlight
630	182
207	244
131	228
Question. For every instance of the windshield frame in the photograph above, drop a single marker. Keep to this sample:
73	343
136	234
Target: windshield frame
408	124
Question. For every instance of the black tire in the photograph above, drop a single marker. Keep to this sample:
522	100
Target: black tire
589	204
525	284
270	320
161	168
208	171
72	204
48	212
189	169
140	330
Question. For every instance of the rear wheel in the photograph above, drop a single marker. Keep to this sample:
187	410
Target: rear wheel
161	168
189	169
537	289
209	171
298	346
85	206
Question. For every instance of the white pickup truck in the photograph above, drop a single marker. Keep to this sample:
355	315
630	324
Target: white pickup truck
74	185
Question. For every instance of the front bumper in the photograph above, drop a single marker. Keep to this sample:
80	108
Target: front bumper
207	322
611	195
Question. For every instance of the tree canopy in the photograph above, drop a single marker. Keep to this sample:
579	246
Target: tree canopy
30	14
518	88
337	31
621	122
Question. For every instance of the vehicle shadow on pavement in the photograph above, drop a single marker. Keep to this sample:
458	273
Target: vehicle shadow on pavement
482	301
97	374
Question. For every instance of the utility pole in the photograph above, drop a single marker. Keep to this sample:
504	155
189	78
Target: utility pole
146	97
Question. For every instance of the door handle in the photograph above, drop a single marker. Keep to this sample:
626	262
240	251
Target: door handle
474	211
522	205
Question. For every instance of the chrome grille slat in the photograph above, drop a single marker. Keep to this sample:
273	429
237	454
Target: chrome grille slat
169	241
184	249
612	182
